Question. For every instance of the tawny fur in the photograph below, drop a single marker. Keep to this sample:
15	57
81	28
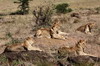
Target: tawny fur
43	33
58	36
20	46
79	47
86	28
53	32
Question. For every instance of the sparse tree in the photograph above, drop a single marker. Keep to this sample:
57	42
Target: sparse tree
43	16
23	6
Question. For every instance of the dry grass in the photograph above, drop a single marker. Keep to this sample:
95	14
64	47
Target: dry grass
21	26
7	6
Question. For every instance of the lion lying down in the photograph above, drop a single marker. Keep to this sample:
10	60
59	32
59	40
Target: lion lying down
24	46
78	49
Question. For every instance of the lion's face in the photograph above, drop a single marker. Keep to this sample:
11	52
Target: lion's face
82	43
29	40
92	25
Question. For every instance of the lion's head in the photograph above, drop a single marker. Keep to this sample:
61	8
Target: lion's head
29	40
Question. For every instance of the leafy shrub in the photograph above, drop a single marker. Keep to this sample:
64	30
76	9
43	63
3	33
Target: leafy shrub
63	8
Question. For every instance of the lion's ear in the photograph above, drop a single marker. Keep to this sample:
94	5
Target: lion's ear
92	24
28	38
82	40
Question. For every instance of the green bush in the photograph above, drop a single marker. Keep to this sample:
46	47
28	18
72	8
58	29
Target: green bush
63	8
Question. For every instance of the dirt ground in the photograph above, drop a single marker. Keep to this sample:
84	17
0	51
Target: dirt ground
7	6
21	26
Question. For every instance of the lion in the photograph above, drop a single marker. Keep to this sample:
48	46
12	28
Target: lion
43	33
26	45
86	28
53	32
77	49
47	32
57	35
56	29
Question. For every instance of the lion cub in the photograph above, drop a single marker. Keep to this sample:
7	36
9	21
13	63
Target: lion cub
78	49
86	28
26	45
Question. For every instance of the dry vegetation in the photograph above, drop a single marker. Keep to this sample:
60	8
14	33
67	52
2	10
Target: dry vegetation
21	26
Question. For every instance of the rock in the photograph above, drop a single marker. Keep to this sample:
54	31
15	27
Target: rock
84	60
30	57
79	61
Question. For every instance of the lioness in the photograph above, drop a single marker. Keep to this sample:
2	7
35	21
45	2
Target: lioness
53	32
86	28
77	49
43	33
26	45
